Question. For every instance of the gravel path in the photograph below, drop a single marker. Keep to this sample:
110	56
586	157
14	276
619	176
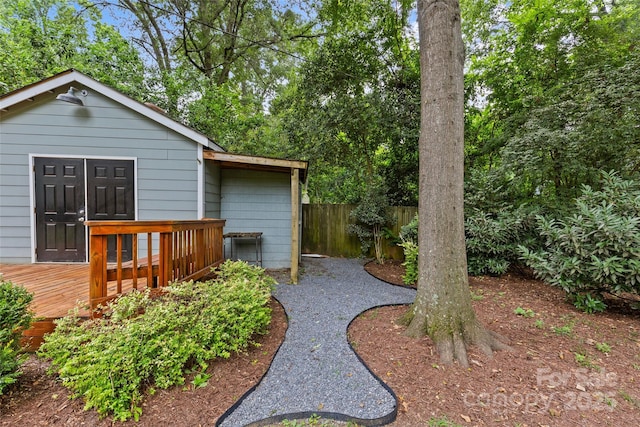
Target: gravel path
315	370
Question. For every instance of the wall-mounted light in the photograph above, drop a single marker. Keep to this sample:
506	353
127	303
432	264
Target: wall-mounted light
71	97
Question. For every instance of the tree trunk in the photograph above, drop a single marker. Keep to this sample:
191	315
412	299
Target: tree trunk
442	308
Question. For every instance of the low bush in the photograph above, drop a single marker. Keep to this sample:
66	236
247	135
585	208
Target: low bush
145	342
370	217
597	249
493	239
15	317
410	263
409	232
409	244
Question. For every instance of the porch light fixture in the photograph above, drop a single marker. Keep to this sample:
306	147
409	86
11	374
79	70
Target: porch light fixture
71	97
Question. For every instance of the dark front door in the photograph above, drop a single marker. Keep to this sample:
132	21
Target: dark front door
62	204
59	192
110	196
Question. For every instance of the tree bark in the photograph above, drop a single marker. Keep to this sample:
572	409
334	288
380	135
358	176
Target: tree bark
442	308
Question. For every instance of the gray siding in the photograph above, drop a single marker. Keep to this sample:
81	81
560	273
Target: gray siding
259	201
212	190
166	175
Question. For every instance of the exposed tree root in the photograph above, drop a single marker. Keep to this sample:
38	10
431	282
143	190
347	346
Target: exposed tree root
452	344
453	347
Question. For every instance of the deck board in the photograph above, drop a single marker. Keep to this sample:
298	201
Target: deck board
55	287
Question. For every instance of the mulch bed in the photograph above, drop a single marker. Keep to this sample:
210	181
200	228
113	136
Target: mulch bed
558	373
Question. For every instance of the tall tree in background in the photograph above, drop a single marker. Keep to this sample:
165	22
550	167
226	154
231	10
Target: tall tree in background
548	109
442	308
217	41
353	110
42	38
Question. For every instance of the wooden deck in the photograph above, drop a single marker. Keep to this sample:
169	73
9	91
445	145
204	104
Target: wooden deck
185	250
56	289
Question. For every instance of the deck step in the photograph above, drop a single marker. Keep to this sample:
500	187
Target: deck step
33	337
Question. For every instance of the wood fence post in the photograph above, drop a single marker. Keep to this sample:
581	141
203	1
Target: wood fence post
295	224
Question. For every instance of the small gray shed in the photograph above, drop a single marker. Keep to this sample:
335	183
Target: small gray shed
59	160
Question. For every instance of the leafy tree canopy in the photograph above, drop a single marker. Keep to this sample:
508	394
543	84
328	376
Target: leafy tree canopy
551	88
349	105
551	94
42	38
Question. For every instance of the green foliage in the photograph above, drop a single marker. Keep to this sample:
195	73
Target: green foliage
552	93
589	304
150	342
587	125
15	317
595	250
584	359
353	110
442	422
316	420
201	380
409	232
492	240
409	245
44	37
524	312
564	330
370	216
410	263
603	347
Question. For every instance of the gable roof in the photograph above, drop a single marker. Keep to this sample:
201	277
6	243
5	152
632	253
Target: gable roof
65	78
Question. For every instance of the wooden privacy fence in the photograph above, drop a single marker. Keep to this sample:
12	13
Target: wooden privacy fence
324	230
175	251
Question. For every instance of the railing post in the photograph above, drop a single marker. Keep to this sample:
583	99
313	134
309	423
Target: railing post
134	261
165	264
97	269
119	263
200	249
149	260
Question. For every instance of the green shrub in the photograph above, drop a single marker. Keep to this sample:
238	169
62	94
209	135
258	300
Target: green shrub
151	342
15	317
409	245
493	240
596	250
410	263
589	304
409	232
370	216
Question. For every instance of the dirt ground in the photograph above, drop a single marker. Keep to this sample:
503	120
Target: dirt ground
566	368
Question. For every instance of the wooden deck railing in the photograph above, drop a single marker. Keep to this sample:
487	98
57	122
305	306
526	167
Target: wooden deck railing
175	251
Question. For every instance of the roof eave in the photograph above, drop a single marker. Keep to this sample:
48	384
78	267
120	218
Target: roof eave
258	162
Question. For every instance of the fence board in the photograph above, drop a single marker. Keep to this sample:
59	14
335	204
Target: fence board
324	230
